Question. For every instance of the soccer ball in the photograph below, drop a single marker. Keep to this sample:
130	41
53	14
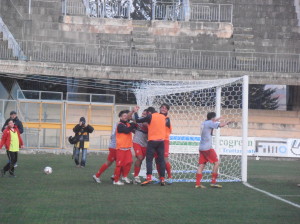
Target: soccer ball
47	170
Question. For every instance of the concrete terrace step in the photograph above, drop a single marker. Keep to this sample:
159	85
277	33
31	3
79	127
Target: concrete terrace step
285	36
108	36
247	2
261	2
140	28
63	36
44	18
141	23
149	40
144	47
242	30
277	43
265	21
122	44
270	12
272	50
139	34
41	10
279	50
66	37
174	46
244	50
238	37
46	25
243	43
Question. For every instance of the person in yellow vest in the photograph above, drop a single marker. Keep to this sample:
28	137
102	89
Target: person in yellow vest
13	142
82	132
156	136
124	146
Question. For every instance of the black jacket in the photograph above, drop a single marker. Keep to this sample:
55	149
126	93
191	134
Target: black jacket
17	122
85	131
122	127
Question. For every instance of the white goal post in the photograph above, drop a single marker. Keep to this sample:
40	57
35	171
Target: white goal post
190	101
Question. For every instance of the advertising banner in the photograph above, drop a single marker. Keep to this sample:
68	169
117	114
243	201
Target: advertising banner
231	145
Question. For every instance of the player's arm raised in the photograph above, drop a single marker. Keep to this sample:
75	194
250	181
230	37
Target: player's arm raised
134	110
124	129
224	123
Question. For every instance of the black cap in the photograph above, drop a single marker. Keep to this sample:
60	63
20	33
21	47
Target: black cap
13	112
82	119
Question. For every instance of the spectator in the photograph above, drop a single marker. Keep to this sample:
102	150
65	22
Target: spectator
82	131
17	122
13	142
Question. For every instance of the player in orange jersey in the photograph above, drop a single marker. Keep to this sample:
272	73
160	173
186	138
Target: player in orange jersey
124	145
156	135
164	109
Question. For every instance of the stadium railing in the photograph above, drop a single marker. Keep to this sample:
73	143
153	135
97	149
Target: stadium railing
12	43
61	52
212	12
168	11
162	10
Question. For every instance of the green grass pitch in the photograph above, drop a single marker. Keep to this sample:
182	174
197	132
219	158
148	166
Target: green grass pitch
69	195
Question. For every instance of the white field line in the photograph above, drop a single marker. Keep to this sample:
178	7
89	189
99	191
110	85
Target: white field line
272	195
296	195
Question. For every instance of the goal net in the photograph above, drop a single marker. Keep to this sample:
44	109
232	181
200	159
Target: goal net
190	101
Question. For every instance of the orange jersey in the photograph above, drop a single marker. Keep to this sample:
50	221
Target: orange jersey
123	140
168	130
157	127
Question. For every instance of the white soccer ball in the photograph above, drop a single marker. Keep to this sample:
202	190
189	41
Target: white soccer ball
47	170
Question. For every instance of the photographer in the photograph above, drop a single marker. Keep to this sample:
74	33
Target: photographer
82	131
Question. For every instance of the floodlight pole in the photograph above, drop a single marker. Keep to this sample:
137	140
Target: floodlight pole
245	127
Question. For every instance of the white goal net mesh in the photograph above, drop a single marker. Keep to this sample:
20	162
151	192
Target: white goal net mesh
190	101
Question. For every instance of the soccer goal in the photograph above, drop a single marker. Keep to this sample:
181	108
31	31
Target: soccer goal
190	101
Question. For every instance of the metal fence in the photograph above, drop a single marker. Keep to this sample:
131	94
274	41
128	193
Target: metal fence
97	8
168	11
48	117
48	120
212	12
159	10
75	7
12	43
106	9
159	58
